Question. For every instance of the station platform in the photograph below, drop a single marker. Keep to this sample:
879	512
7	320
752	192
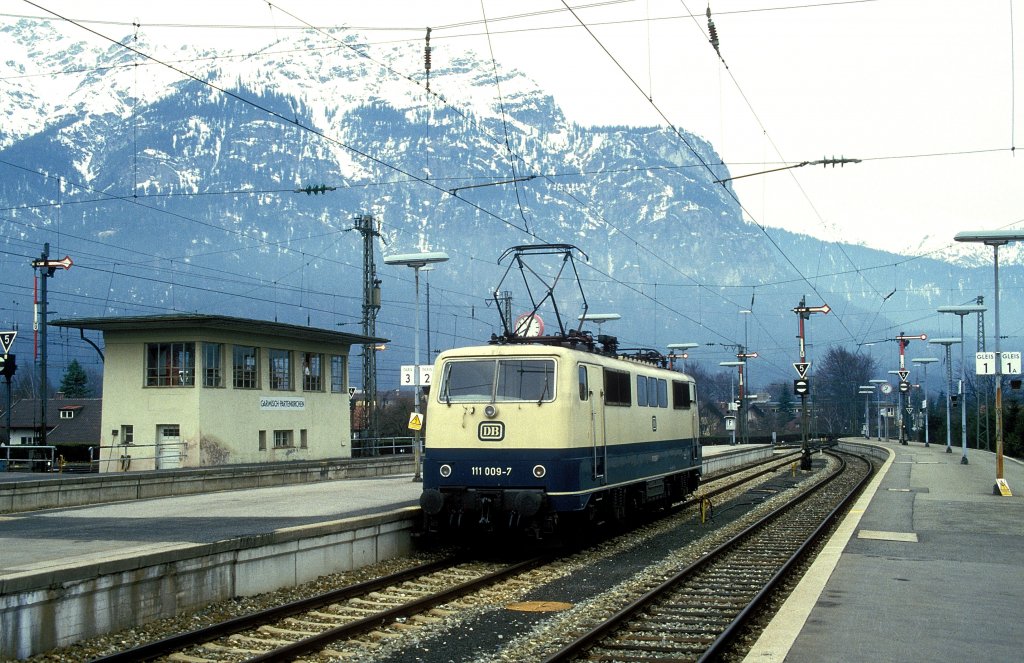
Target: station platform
75	572
928	566
62	540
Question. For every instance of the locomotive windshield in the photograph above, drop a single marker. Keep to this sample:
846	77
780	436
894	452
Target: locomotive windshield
492	380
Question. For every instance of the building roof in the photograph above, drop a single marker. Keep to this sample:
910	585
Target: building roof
82	428
218	322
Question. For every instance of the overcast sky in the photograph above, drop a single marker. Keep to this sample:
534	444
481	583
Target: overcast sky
922	91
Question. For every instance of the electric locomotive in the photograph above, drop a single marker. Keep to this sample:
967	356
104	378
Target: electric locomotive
535	433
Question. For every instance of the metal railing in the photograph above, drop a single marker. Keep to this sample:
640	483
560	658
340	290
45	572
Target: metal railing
119	457
27	458
381	446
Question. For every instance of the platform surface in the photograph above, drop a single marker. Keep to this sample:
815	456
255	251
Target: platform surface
41	540
928	566
50	539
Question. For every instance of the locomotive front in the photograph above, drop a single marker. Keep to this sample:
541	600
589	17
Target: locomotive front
500	440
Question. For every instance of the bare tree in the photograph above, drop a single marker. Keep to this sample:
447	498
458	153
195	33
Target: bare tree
834	386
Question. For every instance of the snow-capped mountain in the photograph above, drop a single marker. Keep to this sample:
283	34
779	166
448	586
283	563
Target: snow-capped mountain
172	174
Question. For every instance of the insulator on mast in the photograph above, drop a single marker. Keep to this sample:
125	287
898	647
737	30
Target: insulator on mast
713	32
426	58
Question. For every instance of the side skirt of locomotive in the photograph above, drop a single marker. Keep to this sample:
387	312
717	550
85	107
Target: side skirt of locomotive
538	514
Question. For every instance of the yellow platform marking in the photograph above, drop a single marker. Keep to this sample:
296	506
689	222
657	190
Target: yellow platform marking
907	537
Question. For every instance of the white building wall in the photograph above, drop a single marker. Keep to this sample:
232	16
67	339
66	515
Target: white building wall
219	425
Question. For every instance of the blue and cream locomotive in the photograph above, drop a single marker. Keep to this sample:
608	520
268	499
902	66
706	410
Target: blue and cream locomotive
531	433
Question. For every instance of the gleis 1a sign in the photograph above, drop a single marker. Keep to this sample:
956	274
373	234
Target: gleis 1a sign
985	363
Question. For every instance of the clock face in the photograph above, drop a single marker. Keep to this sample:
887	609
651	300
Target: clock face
886	388
529	325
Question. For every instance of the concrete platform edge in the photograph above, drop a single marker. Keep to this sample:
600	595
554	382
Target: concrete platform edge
80	490
777	639
40	611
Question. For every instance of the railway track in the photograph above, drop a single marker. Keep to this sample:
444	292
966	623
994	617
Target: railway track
694	614
384	608
310	625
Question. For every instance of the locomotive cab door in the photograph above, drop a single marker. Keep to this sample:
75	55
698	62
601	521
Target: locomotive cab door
591	394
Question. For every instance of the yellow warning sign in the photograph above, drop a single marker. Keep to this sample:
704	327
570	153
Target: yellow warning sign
415	421
1004	488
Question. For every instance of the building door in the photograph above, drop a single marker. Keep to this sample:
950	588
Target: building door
168	447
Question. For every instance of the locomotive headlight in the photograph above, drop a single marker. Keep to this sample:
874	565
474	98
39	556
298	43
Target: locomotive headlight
539	471
490	411
445	470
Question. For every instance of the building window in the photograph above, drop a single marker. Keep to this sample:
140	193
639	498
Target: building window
337	374
312	371
170	364
245	367
303	441
67	414
127	434
263	440
282	439
213	365
281	370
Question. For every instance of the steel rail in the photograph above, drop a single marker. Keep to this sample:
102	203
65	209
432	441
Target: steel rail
611	624
157	648
715	649
319	641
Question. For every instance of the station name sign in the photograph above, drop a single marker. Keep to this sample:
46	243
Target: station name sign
282	403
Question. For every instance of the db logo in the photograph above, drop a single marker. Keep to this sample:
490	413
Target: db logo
491	431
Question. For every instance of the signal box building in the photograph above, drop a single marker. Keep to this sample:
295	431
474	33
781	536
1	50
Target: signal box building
196	390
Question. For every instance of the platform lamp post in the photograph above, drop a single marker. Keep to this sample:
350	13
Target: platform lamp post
995	239
878	382
866	390
949	381
739	412
417	261
924	361
746	313
683	347
961	311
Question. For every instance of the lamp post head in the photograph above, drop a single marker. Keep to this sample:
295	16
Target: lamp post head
416	260
945	341
731	364
599	317
925	360
990	237
682	346
962	310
